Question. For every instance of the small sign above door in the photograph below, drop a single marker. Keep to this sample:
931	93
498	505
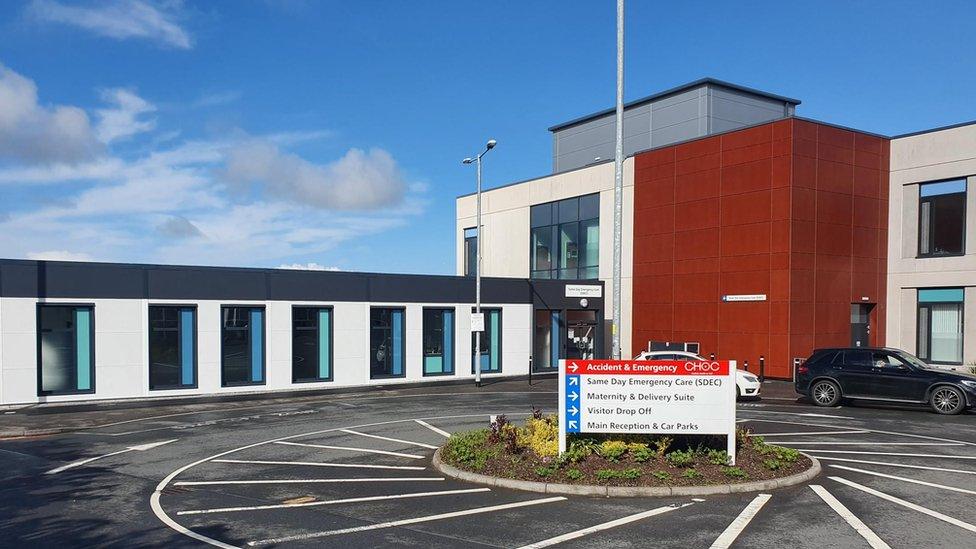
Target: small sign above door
584	290
744	297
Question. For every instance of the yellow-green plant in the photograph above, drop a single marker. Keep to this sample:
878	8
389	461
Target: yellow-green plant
612	449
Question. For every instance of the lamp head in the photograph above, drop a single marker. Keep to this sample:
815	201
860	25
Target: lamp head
491	144
467	160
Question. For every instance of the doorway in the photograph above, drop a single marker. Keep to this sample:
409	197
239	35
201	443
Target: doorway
861	324
580	334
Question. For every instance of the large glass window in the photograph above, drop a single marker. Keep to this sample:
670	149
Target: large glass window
470	251
546	341
438	342
386	337
172	347
940	325
942	218
311	344
242	346
491	342
565	238
66	349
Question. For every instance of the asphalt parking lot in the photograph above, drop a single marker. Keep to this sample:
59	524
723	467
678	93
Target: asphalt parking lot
354	469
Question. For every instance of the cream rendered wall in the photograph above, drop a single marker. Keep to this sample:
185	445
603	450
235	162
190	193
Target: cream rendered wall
505	226
122	347
933	156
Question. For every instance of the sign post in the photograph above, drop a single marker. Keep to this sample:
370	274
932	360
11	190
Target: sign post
669	397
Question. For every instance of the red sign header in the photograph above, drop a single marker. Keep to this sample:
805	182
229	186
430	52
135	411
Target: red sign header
648	367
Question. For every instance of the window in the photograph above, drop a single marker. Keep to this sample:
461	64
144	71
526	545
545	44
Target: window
491	342
470	251
386	337
242	346
311	344
546	340
438	342
940	325
942	218
172	347
565	238
65	349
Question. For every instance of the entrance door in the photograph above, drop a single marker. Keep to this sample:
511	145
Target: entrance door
580	334
860	324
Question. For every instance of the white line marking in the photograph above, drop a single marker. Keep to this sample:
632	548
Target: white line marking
348	449
895	433
866	443
604	526
903	479
333	502
432	428
731	533
319	464
401	441
941	456
304	481
793	414
138	448
765	435
908	504
868	534
905	465
395	523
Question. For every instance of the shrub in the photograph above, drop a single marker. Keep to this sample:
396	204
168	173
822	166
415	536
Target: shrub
543	436
544	471
734	472
536	413
510	436
631	473
662	444
574	474
789	455
718	457
742	437
772	464
691	473
578	450
469	449
611	450
606	474
679	458
663	476
496	428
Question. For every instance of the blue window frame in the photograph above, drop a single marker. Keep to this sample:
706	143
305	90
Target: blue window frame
65	349
311	344
386	342
491	342
438	342
172	347
242	346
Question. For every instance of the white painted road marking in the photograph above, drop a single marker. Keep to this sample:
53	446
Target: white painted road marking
401	441
868	534
731	533
893	454
348	449
333	502
395	523
605	526
903	479
138	448
305	481
319	464
432	428
867	443
907	504
905	465
797	433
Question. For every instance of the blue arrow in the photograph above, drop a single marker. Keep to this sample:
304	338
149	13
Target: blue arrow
572	424
574	380
573	396
573	411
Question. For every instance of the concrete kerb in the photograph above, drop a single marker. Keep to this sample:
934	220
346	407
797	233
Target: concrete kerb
18	433
627	491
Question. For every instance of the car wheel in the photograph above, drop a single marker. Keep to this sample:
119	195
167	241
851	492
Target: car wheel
825	393
947	400
738	393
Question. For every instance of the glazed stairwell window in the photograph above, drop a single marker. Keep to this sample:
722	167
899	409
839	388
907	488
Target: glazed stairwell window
386	341
565	238
942	218
940	325
65	349
172	347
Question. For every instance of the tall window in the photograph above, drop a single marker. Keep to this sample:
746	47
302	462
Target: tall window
172	347
386	337
242	346
940	325
565	238
438	342
491	342
311	344
65	349
470	251
546	340
942	218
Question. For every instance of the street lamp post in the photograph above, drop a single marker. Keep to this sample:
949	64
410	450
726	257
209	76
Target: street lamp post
477	266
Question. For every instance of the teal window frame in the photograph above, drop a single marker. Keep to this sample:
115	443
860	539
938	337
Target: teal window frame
491	356
324	343
944	297
187	346
256	346
82	368
438	320
398	339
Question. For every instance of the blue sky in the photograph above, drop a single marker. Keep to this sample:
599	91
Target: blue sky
267	133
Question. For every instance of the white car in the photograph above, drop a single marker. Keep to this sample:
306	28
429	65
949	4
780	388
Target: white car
746	385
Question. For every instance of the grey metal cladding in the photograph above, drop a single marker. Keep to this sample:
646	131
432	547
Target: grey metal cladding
676	132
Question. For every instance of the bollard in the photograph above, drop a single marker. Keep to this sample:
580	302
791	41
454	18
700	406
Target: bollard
762	369
745	365
711	356
530	371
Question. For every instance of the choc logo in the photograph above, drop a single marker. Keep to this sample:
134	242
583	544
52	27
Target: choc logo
702	367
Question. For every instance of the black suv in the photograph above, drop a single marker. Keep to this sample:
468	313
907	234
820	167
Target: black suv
890	375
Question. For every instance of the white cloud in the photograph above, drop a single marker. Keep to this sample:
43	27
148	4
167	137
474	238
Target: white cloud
34	133
357	181
310	266
59	255
125	118
178	226
119	19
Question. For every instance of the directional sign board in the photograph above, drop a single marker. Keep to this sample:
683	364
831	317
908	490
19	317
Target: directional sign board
695	397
